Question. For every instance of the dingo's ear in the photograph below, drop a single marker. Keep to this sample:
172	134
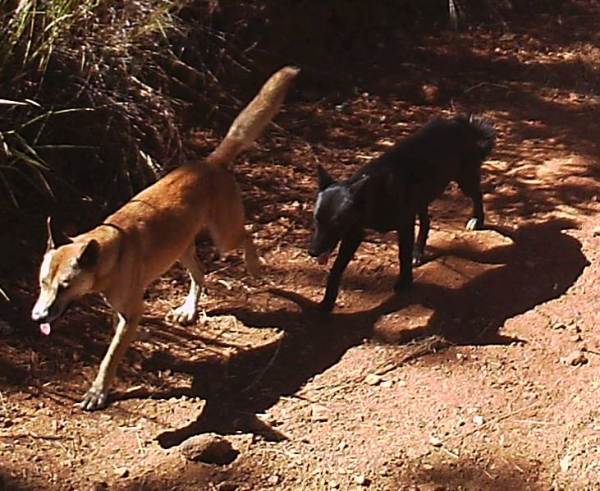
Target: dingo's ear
325	180
89	255
50	244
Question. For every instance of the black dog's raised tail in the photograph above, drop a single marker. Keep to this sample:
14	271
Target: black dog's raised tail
485	133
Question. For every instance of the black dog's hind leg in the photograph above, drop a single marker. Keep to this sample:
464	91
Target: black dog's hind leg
419	247
347	249
470	185
406	242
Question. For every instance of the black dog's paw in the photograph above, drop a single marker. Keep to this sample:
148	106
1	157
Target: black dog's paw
325	306
417	259
402	284
474	224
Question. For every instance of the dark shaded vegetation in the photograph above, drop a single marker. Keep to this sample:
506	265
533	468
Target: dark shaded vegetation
100	96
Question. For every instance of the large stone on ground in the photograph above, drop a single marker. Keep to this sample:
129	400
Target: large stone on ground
209	448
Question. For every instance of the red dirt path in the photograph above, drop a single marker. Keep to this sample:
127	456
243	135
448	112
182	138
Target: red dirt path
458	384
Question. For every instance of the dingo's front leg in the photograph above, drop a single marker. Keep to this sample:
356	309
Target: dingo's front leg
125	329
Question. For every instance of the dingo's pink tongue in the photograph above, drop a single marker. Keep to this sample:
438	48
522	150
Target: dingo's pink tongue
45	328
323	258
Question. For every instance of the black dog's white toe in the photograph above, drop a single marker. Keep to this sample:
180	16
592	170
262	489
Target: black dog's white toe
474	224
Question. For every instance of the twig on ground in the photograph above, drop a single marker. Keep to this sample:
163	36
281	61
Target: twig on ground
269	364
495	420
16	436
483	84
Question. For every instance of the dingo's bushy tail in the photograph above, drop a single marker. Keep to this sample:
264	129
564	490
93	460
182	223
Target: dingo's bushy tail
254	118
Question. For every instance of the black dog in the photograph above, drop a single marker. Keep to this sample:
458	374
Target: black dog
388	193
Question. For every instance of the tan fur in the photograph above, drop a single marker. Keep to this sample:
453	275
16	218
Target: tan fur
139	242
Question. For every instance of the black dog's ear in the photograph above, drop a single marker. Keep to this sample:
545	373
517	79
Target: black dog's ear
88	258
325	180
359	185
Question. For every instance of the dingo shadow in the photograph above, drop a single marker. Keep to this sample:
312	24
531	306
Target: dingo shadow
541	264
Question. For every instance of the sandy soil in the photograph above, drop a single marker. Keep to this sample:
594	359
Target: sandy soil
465	382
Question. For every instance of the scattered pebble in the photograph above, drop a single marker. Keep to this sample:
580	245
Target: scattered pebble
318	413
435	441
386	384
565	463
362	480
430	93
430	487
274	480
574	359
122	472
373	379
478	420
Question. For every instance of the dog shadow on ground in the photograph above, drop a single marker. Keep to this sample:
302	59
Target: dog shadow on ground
541	264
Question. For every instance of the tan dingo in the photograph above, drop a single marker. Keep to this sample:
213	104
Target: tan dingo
157	227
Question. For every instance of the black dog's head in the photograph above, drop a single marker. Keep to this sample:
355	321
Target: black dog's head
335	213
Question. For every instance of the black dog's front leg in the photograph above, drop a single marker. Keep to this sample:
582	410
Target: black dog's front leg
347	249
470	185
419	247
406	241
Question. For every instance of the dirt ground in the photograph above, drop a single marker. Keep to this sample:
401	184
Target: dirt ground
484	376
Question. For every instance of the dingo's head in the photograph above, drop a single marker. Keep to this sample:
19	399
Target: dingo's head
66	273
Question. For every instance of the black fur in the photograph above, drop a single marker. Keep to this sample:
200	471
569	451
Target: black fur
389	192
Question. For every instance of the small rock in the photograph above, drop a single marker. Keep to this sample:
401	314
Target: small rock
478	420
122	472
318	413
431	487
386	384
227	486
565	463
430	93
273	480
99	486
577	338
575	358
209	448
435	441
333	485
559	325
362	480
373	379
